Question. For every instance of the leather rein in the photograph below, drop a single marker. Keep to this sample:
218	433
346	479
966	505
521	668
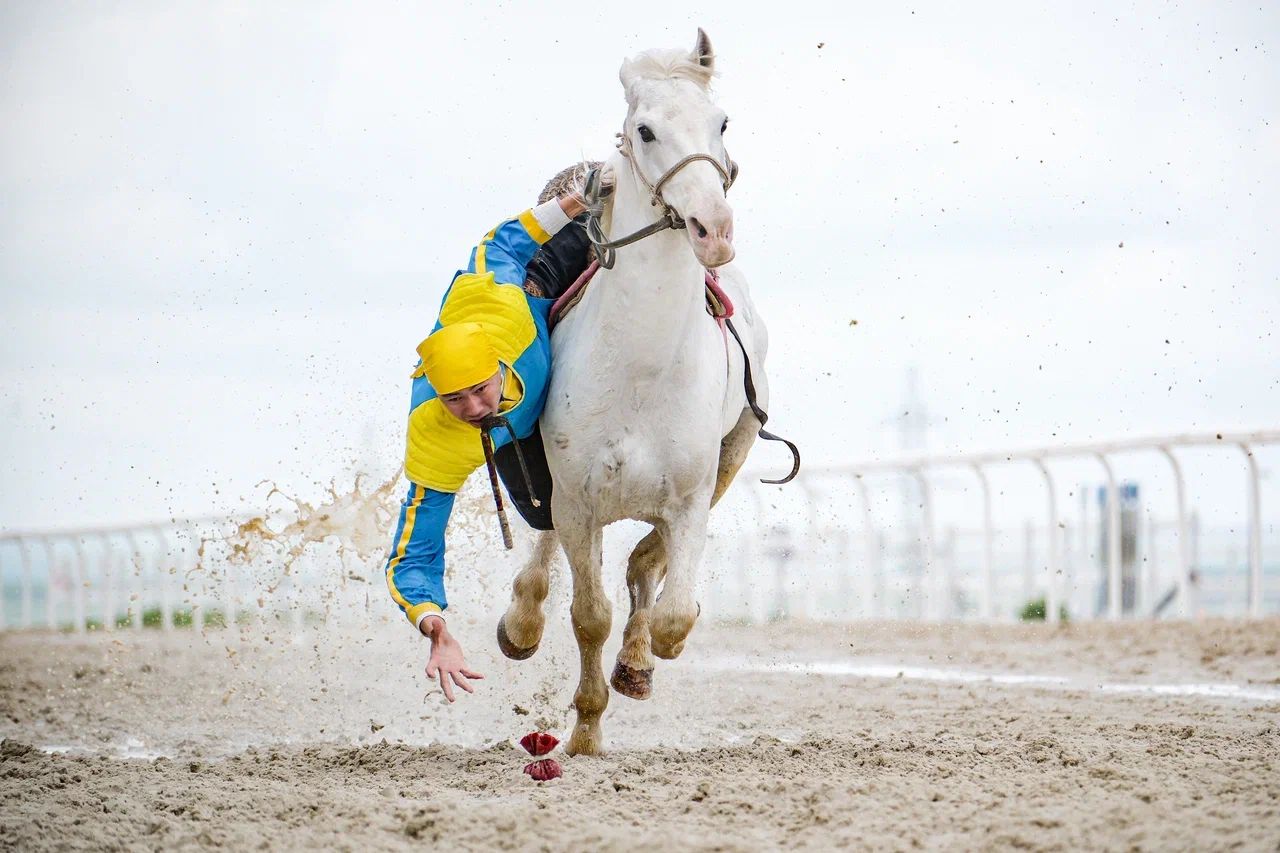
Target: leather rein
669	219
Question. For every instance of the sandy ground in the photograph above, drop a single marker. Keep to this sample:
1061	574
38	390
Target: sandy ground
252	738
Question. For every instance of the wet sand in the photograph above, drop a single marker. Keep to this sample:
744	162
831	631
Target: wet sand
250	738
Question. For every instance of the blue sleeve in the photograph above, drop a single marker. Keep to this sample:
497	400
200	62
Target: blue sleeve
506	250
415	569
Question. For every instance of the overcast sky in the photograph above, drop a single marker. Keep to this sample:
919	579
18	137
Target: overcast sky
224	227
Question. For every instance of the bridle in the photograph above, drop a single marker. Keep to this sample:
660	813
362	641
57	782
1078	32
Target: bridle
605	248
605	253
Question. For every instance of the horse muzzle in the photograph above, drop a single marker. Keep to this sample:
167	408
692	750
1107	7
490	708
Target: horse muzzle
712	238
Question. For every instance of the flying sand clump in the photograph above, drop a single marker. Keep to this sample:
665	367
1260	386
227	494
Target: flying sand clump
339	539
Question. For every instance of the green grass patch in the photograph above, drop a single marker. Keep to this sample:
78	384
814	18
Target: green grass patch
1034	611
153	618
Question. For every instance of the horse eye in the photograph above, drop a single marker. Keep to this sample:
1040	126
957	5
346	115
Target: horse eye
646	134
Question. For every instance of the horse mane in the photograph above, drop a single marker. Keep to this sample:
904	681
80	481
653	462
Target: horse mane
670	64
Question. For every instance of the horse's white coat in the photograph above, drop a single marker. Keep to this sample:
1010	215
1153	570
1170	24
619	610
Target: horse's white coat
646	385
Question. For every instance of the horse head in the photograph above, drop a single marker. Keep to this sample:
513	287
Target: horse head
674	138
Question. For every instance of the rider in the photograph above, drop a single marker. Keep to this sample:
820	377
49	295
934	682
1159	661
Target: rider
489	354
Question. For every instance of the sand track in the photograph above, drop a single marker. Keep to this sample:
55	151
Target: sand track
269	740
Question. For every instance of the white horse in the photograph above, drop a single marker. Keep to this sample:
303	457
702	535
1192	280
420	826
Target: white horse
646	415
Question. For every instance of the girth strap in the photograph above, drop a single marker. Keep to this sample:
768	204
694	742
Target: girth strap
761	414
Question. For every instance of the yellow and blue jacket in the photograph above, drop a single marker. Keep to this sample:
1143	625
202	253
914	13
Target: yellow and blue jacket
442	451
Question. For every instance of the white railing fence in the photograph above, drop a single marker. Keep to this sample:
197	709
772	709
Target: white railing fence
171	574
917	567
821	548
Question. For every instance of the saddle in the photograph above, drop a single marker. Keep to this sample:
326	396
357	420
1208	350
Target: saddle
719	305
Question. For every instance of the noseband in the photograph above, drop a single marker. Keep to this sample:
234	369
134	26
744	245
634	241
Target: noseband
669	219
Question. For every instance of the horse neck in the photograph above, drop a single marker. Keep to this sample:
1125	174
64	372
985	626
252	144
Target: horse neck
655	289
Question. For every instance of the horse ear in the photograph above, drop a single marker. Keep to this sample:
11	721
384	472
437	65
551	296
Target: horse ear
702	52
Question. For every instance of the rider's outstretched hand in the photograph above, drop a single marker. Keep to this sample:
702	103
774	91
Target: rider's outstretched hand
447	661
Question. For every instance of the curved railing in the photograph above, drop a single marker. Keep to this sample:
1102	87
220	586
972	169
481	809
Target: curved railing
922	467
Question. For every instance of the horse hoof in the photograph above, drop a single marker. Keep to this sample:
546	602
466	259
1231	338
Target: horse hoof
635	683
509	648
583	741
666	652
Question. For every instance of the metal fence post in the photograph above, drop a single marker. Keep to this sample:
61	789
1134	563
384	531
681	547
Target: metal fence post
27	581
1067	572
1028	560
988	547
51	569
1051	548
78	582
1083	543
139	561
108	584
874	586
195	598
1113	541
1149	593
936	602
1194	590
1255	535
163	570
810	538
1183	561
229	586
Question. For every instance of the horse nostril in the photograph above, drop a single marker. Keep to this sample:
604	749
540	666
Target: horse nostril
702	232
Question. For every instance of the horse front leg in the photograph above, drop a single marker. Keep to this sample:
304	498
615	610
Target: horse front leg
684	536
520	628
647	566
592	619
633	673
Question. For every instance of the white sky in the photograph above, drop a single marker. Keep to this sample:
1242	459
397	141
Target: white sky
224	227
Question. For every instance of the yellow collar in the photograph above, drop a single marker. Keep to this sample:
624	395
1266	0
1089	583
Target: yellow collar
512	390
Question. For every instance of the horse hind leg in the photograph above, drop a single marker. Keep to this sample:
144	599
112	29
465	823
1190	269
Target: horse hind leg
633	673
520	628
590	612
734	448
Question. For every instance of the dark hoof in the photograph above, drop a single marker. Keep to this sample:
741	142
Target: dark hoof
509	648
636	683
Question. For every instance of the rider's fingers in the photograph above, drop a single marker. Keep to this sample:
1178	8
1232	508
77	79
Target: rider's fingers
432	669
469	674
448	688
462	682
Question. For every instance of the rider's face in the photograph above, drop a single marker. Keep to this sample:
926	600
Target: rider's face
474	404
